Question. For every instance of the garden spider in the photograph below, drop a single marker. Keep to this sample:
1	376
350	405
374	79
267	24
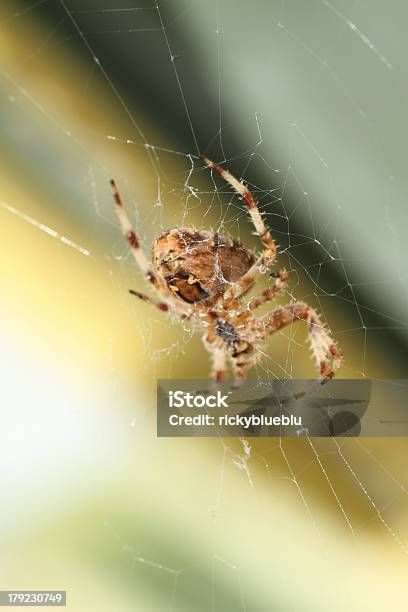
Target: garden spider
202	277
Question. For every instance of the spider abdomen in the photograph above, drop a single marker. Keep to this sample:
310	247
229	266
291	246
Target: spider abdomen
197	264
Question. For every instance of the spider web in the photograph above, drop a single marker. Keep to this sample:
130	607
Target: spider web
345	255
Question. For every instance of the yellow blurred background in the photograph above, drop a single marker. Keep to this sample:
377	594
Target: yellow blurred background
92	502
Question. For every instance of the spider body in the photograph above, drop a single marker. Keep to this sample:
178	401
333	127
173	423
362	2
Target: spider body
202	277
197	264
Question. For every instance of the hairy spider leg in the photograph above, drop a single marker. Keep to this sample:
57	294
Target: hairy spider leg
145	266
241	363
324	350
281	280
145	298
216	348
133	241
268	255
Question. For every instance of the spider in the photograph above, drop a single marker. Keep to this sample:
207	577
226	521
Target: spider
202	277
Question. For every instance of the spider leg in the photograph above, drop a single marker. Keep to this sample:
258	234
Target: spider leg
268	255
160	305
218	354
324	349
240	366
243	359
281	280
145	266
132	240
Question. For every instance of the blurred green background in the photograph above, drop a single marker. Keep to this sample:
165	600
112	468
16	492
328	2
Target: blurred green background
306	101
